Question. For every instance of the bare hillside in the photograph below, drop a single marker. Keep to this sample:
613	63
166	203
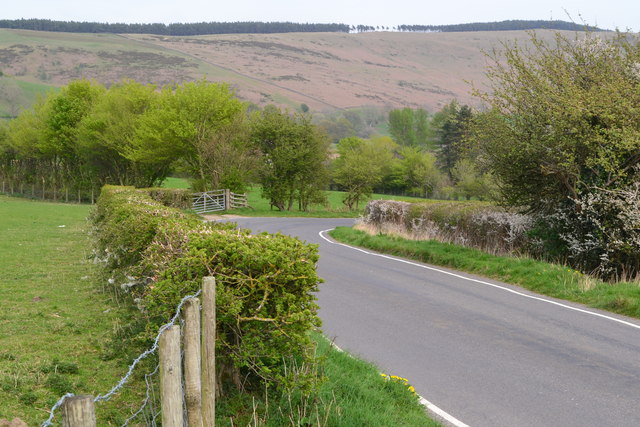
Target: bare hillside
322	70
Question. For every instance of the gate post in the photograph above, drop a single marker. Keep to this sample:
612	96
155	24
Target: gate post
227	199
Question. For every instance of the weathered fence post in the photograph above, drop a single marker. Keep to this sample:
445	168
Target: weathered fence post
192	376
171	377
208	351
79	411
227	199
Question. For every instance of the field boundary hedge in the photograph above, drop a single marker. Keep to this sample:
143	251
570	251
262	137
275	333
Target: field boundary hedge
478	225
157	254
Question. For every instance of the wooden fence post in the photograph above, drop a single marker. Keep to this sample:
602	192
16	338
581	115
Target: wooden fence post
227	199
79	411
171	377
208	351
192	385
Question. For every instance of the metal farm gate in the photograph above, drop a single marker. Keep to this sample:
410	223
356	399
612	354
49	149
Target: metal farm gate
218	200
209	201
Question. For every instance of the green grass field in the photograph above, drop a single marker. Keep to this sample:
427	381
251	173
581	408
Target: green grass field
549	279
259	207
59	323
55	320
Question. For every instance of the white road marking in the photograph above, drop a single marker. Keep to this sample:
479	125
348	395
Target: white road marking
442	414
592	313
430	406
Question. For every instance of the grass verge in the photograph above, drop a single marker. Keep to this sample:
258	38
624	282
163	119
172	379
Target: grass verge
549	279
354	394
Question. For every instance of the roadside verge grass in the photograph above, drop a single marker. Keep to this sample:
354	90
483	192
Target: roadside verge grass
354	393
549	279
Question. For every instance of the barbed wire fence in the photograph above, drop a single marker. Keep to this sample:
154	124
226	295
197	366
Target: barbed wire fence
148	403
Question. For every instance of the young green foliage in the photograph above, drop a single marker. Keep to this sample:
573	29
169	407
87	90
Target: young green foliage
360	166
294	153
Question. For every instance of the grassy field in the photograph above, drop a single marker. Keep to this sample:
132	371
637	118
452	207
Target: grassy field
549	279
333	209
59	325
259	207
55	321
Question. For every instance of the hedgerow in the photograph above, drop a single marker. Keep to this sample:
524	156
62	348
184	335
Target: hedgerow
265	283
472	224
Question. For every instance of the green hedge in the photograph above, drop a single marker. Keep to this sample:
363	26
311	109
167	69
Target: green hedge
180	198
265	283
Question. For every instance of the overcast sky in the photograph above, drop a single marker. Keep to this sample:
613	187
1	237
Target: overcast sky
611	14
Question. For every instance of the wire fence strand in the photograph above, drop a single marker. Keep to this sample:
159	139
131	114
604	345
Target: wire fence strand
123	380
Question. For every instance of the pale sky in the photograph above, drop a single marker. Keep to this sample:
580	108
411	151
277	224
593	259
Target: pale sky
611	14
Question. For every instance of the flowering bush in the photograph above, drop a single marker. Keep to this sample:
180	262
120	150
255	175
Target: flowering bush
601	231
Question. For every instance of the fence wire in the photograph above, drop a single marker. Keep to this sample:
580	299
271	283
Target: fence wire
123	380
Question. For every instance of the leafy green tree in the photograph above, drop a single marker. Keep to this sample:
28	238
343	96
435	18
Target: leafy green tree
563	137
184	122
470	182
361	165
409	127
107	137
418	171
294	154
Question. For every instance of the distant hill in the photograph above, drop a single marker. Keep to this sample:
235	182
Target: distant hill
512	25
325	71
177	29
206	28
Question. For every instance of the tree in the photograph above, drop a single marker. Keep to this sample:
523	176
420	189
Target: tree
184	122
360	166
409	127
563	137
294	154
417	172
451	135
107	137
469	182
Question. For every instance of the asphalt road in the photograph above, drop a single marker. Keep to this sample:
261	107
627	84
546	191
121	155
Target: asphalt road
485	355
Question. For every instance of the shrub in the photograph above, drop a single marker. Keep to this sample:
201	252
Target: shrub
265	282
180	198
473	224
